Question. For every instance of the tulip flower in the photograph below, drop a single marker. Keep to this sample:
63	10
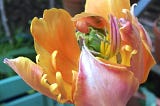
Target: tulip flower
97	58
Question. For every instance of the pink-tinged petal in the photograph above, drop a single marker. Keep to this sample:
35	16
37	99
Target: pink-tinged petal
30	72
130	36
115	35
148	59
101	84
142	61
144	36
143	33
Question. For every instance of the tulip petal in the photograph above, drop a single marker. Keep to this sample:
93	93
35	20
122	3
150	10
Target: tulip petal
62	64
44	60
133	35
148	59
55	32
130	36
105	7
115	36
52	33
101	84
85	20
143	33
30	72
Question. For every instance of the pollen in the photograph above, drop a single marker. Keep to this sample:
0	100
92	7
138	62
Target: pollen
61	89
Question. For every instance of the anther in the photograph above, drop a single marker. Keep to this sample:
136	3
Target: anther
44	80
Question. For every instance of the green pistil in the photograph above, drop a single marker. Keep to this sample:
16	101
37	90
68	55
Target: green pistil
92	40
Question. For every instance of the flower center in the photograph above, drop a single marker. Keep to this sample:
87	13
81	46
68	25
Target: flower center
94	40
107	44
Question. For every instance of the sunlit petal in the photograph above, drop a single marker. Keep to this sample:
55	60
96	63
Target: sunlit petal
52	34
105	7
106	84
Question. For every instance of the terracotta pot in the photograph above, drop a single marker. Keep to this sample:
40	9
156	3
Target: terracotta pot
74	6
156	30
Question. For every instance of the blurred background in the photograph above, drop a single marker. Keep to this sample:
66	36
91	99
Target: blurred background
16	40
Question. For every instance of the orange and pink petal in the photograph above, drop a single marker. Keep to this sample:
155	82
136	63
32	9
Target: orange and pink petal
136	37
101	84
30	72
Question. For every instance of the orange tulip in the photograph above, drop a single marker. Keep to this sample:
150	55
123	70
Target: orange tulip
100	64
57	56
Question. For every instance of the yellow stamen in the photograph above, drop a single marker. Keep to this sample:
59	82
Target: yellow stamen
126	53
107	50
54	54
113	59
61	99
37	58
102	47
107	46
44	80
60	82
64	88
61	89
74	74
54	89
